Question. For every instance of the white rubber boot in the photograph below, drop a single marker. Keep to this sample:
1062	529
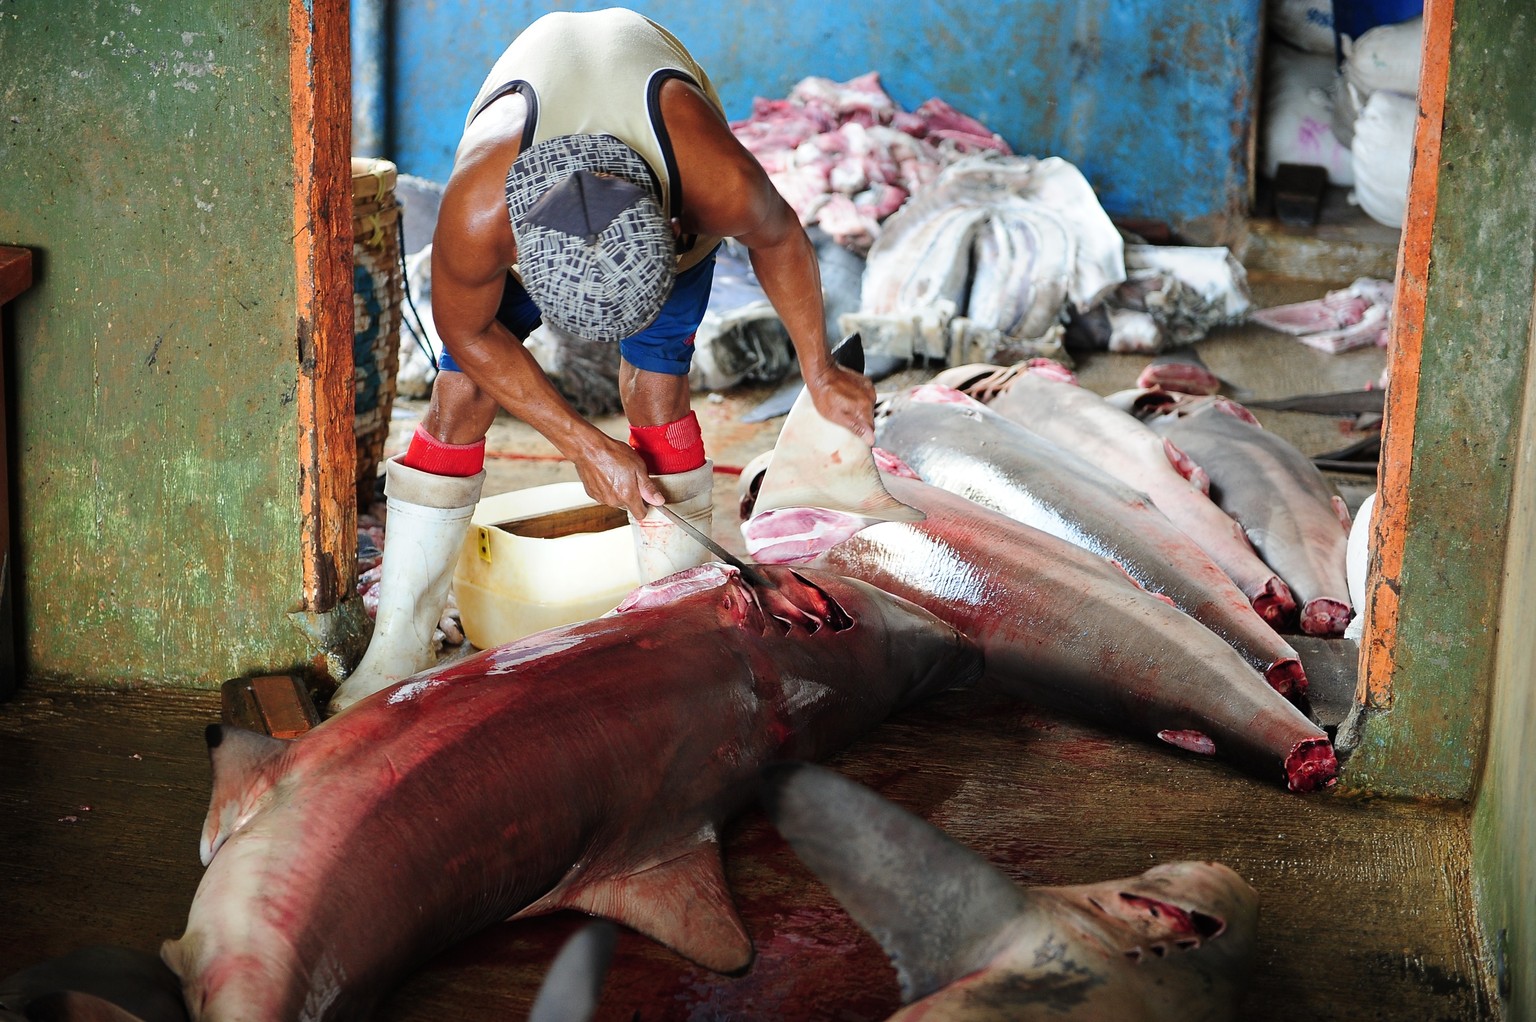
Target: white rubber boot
424	530
661	548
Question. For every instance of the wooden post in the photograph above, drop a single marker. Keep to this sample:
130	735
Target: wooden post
15	277
320	62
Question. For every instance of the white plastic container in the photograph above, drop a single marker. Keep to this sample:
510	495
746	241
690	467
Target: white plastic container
538	558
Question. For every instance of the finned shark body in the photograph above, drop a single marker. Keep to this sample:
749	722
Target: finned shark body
1060	626
1288	509
1047	400
587	767
960	445
1171	945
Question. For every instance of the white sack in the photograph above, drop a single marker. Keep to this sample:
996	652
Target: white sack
1305	24
1383	154
1386	59
1298	114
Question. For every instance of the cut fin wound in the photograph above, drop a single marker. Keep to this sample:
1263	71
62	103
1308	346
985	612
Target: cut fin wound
242	777
682	903
817	463
938	909
1185	466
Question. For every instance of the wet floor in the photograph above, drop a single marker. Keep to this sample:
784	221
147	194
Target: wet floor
1366	905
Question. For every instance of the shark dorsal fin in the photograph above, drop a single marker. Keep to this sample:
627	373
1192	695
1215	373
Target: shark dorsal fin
937	908
817	463
243	772
574	983
681	901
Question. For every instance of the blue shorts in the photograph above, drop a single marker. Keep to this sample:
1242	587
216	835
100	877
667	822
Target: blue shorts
666	346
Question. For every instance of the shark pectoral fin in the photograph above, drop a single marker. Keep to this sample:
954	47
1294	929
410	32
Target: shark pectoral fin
817	463
242	776
682	902
938	909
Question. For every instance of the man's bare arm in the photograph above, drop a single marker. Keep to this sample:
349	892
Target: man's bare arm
727	192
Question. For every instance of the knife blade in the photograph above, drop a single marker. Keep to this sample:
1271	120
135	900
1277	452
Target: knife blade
749	573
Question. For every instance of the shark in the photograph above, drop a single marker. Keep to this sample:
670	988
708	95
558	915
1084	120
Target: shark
589	767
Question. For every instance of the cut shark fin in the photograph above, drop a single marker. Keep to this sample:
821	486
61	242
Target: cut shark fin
574	983
242	777
817	463
938	909
681	902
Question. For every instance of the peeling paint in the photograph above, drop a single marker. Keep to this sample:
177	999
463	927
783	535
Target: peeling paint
1153	101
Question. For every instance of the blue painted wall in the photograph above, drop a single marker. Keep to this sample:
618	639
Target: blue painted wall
1153	100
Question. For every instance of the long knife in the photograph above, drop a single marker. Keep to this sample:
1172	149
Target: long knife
751	574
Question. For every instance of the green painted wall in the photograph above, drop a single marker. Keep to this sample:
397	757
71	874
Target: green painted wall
1476	347
146	159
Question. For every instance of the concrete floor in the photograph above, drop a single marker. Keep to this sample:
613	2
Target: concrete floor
1366	906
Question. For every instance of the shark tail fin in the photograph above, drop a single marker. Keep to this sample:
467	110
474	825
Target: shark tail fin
243	772
936	907
574	983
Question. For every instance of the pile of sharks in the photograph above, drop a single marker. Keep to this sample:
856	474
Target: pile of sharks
1010	531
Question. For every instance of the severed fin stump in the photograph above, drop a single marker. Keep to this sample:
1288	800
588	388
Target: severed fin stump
277	705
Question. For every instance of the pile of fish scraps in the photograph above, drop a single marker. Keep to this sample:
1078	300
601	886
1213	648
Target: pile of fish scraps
975	253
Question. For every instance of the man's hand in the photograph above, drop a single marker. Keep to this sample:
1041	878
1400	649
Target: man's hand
614	474
846	398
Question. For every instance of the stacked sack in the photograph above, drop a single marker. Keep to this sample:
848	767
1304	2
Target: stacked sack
1299	71
1375	104
1343	103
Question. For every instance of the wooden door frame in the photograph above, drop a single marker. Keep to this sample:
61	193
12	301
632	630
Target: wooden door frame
1390	518
320	72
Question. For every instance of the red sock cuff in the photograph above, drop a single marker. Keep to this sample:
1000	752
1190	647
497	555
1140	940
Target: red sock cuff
671	447
429	454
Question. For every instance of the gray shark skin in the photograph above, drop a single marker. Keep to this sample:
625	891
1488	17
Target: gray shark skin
1289	511
1047	400
1174	944
586	767
94	984
960	445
